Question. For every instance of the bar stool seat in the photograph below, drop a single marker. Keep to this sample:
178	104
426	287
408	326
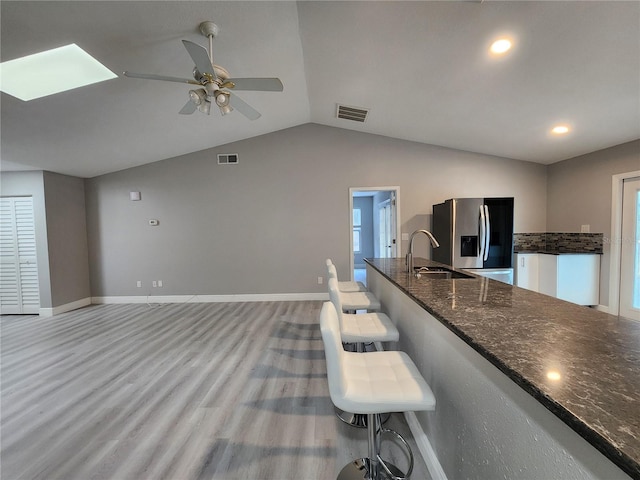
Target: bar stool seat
359	301
344	285
371	383
368	327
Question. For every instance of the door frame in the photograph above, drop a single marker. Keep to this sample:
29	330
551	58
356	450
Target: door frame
615	252
396	190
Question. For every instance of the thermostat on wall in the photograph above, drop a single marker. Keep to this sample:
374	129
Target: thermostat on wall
154	223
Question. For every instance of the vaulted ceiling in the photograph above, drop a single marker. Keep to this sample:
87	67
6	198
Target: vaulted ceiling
422	69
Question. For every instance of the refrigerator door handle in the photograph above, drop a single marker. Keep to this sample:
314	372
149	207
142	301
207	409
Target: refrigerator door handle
487	233
483	232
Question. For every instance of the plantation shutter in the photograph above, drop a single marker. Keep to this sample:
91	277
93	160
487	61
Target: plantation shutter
19	292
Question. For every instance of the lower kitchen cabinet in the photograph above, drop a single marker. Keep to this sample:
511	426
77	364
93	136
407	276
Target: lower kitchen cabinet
571	277
527	271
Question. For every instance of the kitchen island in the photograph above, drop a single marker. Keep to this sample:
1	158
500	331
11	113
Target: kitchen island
527	386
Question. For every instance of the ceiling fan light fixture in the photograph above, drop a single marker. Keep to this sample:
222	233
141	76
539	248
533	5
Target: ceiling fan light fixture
198	97
205	107
194	97
224	109
222	99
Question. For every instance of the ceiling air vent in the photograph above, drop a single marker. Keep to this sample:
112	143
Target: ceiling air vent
227	158
356	114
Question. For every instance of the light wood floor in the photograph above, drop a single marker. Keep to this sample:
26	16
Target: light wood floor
197	391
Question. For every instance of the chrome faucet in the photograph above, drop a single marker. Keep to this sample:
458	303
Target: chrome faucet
409	257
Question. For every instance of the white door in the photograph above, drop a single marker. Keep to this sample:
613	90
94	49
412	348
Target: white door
385	233
19	292
630	250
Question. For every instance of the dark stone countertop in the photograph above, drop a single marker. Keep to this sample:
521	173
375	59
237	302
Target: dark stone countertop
527	335
559	252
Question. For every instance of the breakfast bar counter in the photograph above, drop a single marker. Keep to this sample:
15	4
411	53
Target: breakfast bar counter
528	386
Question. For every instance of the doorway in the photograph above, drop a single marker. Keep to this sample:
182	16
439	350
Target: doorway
19	290
629	306
624	271
374	228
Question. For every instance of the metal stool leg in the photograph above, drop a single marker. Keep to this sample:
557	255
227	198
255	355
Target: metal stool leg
374	467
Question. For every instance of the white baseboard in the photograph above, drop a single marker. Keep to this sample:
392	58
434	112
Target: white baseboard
428	453
602	308
252	297
67	307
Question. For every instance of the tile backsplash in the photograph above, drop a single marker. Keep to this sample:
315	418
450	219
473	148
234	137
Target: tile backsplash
558	242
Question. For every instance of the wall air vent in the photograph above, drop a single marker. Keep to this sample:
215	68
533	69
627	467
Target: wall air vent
227	158
356	114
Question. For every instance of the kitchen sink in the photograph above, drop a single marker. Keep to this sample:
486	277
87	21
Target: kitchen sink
439	273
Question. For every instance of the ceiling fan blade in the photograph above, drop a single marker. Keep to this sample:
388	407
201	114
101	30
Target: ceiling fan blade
150	76
243	107
188	108
258	84
200	57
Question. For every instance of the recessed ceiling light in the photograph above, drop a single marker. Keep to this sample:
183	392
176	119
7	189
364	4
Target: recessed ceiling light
560	130
500	46
52	71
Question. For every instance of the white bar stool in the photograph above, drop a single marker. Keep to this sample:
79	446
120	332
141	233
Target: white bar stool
371	383
344	286
360	328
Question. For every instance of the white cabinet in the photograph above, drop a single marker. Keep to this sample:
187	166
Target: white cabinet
527	271
571	277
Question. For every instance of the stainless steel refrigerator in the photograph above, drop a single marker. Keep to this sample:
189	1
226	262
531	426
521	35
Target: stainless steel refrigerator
475	233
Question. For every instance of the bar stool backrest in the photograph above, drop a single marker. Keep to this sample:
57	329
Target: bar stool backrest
334	296
333	352
333	273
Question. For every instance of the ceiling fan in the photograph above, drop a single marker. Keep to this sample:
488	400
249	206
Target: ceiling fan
215	81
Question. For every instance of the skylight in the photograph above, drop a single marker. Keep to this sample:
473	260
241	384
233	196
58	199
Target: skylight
52	71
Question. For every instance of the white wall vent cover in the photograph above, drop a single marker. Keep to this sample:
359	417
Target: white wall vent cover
227	158
356	114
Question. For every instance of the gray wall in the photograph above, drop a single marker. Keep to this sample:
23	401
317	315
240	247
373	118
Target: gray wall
67	238
267	224
579	193
61	238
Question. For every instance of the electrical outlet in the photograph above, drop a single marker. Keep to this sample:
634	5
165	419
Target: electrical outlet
154	284
139	284
320	280
159	283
